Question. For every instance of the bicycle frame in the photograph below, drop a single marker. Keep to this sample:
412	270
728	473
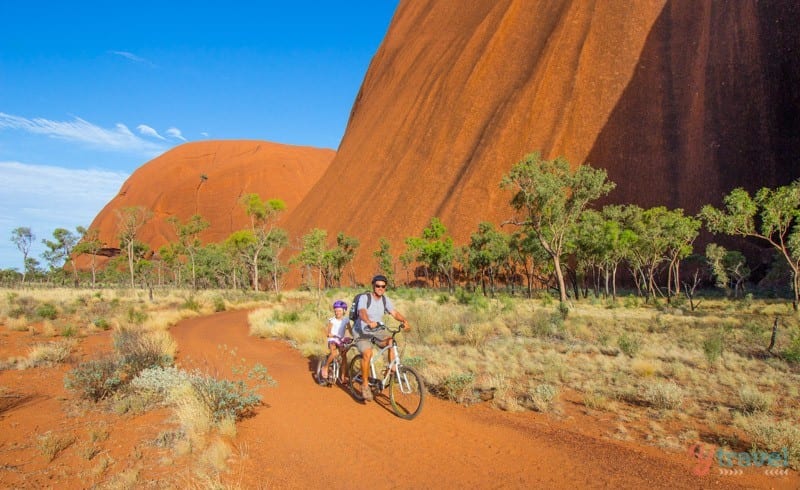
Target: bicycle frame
392	368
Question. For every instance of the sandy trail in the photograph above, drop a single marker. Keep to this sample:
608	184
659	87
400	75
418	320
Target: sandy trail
306	436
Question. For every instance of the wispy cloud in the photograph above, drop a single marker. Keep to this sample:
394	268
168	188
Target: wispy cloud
45	198
175	133
204	134
120	138
132	57
148	131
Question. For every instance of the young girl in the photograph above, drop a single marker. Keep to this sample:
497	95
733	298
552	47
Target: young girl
335	330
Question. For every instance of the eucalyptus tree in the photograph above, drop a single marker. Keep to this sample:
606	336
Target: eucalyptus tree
23	238
339	257
263	215
777	212
384	258
59	250
435	250
189	238
313	256
551	197
89	244
130	221
488	251
729	268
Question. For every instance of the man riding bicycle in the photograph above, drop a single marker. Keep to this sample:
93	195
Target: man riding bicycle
366	326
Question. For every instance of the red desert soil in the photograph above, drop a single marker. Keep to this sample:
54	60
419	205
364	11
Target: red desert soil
306	436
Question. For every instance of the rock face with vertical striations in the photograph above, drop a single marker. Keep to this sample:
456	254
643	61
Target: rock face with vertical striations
679	100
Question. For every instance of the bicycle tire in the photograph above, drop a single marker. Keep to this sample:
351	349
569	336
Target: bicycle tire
354	373
318	373
407	405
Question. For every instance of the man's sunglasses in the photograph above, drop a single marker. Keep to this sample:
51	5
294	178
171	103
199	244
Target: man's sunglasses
379	286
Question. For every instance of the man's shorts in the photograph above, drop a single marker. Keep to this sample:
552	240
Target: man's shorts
363	341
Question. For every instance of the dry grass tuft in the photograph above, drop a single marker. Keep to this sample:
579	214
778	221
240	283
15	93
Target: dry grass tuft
50	444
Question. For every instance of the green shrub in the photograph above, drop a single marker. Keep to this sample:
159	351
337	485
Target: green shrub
542	397
138	351
563	310
286	316
792	352
101	323
458	387
191	304
47	311
219	304
136	317
713	346
223	398
753	401
95	379
663	395
631	301
68	331
630	345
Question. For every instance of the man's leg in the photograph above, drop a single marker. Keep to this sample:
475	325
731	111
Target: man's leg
366	392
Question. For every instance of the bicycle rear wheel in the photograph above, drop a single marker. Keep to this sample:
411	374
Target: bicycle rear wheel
354	373
408	395
318	373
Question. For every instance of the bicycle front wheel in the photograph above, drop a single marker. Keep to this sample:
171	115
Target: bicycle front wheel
406	393
354	373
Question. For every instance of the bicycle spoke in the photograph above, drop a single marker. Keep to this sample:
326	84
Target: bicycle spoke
406	393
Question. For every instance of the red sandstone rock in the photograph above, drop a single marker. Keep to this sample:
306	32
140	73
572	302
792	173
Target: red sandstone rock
171	185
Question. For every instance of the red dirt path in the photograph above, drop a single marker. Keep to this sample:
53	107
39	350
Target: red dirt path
306	436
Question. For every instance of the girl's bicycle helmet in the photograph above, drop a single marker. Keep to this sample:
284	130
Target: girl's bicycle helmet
340	304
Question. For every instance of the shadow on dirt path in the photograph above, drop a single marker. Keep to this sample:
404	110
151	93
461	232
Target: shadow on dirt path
307	436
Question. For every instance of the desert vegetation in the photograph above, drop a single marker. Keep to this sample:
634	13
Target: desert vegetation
611	309
132	376
706	371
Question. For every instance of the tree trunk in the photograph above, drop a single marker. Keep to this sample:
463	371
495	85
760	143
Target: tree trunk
562	291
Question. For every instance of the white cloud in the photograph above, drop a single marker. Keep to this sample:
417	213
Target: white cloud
132	57
78	130
175	133
148	131
45	198
204	134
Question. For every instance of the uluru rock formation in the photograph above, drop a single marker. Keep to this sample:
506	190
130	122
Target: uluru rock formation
209	178
680	101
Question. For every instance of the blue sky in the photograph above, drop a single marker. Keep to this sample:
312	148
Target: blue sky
89	91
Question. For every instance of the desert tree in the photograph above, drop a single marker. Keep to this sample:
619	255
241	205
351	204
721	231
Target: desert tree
776	210
23	238
89	244
551	197
189	239
130	222
59	250
383	257
681	232
263	215
729	268
487	252
341	256
313	256
435	250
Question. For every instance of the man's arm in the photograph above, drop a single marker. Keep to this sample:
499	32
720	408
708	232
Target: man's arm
400	318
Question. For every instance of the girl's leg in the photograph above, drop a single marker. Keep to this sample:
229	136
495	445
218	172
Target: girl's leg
329	360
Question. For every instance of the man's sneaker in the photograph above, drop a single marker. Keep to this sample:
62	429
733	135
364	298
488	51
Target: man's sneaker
366	393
